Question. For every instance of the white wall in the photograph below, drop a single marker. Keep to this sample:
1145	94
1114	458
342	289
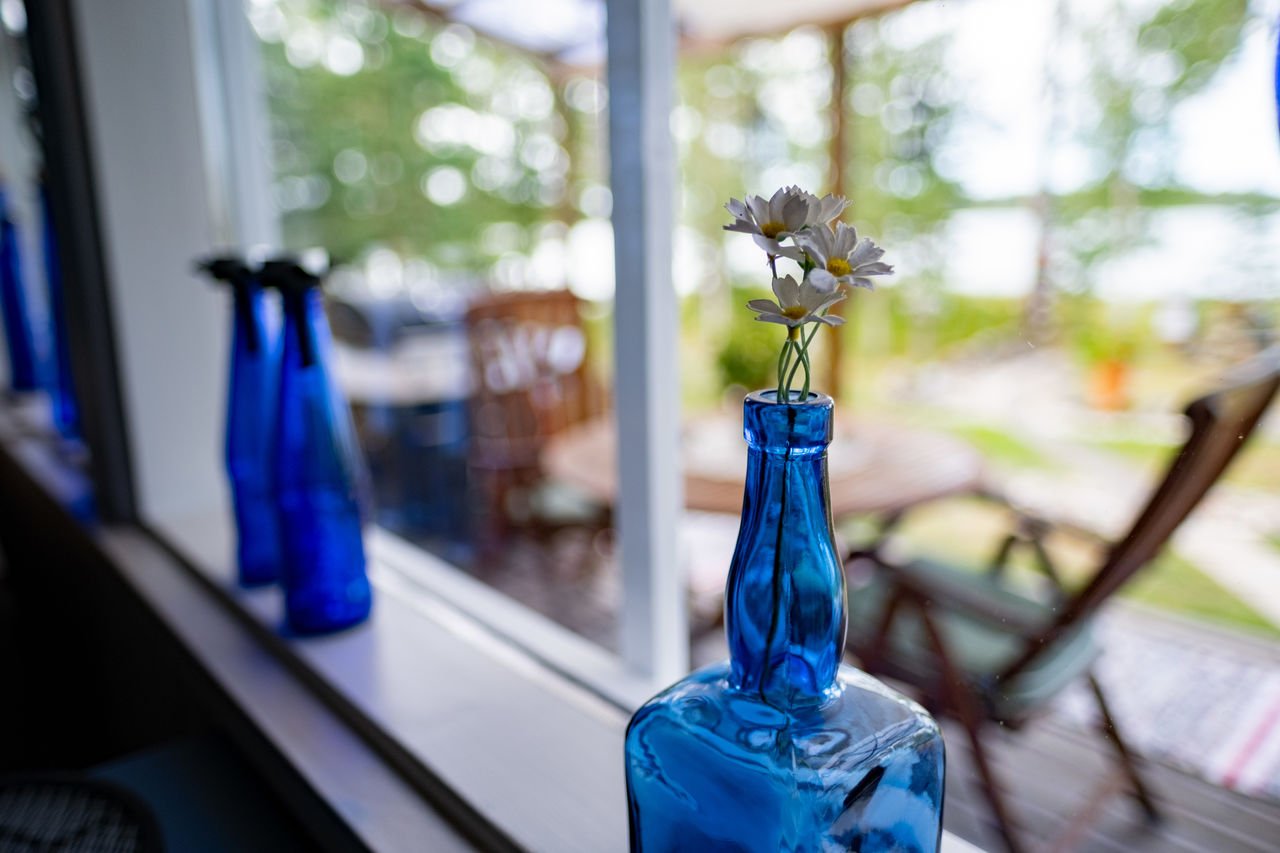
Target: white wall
136	69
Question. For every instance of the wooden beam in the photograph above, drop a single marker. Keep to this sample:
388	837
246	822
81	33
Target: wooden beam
837	183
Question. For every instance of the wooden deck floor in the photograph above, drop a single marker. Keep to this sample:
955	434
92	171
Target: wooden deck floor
1065	795
1062	783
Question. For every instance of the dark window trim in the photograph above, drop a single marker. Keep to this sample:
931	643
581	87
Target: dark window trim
69	175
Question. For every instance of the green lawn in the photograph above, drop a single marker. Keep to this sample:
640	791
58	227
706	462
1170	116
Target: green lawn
1257	466
1174	584
1002	448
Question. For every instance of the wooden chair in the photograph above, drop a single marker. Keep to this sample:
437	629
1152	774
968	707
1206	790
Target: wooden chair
983	652
532	380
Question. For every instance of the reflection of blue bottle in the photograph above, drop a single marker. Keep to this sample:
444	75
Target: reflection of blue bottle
782	748
251	415
318	468
62	392
13	304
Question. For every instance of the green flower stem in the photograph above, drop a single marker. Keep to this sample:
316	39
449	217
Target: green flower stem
787	367
801	360
784	360
804	355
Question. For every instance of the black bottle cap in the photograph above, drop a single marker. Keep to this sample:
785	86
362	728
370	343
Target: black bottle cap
235	272
293	281
225	268
288	276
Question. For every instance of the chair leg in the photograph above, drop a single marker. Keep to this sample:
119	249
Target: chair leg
989	784
1140	791
967	709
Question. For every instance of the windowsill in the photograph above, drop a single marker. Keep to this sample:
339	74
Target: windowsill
423	728
534	754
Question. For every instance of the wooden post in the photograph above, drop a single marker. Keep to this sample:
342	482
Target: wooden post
836	183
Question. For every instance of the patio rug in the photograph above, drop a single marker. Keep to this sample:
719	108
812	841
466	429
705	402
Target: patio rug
1192	696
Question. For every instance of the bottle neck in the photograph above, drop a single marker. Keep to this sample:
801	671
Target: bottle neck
247	297
301	307
784	605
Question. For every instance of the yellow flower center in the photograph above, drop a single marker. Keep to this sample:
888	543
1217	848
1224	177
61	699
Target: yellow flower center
772	229
794	313
838	267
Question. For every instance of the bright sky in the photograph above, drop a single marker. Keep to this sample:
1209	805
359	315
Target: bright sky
1226	136
1225	141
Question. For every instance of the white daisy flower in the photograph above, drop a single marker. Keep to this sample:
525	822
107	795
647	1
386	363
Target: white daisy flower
823	210
769	221
840	257
798	303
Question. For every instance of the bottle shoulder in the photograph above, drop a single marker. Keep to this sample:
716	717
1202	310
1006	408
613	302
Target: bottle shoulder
860	707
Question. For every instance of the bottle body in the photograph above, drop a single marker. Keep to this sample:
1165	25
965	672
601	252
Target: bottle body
711	767
783	748
13	306
251	415
317	481
62	392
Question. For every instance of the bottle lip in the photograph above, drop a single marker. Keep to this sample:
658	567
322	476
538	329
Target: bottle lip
798	428
769	397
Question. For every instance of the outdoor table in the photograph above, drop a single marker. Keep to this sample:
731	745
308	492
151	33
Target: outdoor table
874	467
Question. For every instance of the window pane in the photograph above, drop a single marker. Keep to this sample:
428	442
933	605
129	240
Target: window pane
459	188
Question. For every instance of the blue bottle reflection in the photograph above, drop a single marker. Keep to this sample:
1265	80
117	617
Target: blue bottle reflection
57	372
783	748
13	305
251	418
318	468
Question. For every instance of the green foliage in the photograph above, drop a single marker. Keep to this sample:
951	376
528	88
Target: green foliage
749	354
945	322
350	154
1199	33
901	110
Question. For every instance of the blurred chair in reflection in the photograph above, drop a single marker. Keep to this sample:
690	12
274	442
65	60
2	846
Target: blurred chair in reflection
532	380
984	651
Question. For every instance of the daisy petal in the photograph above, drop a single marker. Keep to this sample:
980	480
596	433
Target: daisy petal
831	320
764	305
773	247
864	253
822	281
787	291
875	268
834	299
794	212
777	318
815	300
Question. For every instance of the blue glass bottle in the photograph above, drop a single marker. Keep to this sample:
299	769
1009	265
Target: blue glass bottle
13	305
57	371
318	468
783	748
251	420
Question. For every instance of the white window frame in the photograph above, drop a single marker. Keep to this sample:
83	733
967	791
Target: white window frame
208	64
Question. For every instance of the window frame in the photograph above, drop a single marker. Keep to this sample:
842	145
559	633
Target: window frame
212	54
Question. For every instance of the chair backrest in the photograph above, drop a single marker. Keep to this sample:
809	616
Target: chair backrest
1220	422
531	372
